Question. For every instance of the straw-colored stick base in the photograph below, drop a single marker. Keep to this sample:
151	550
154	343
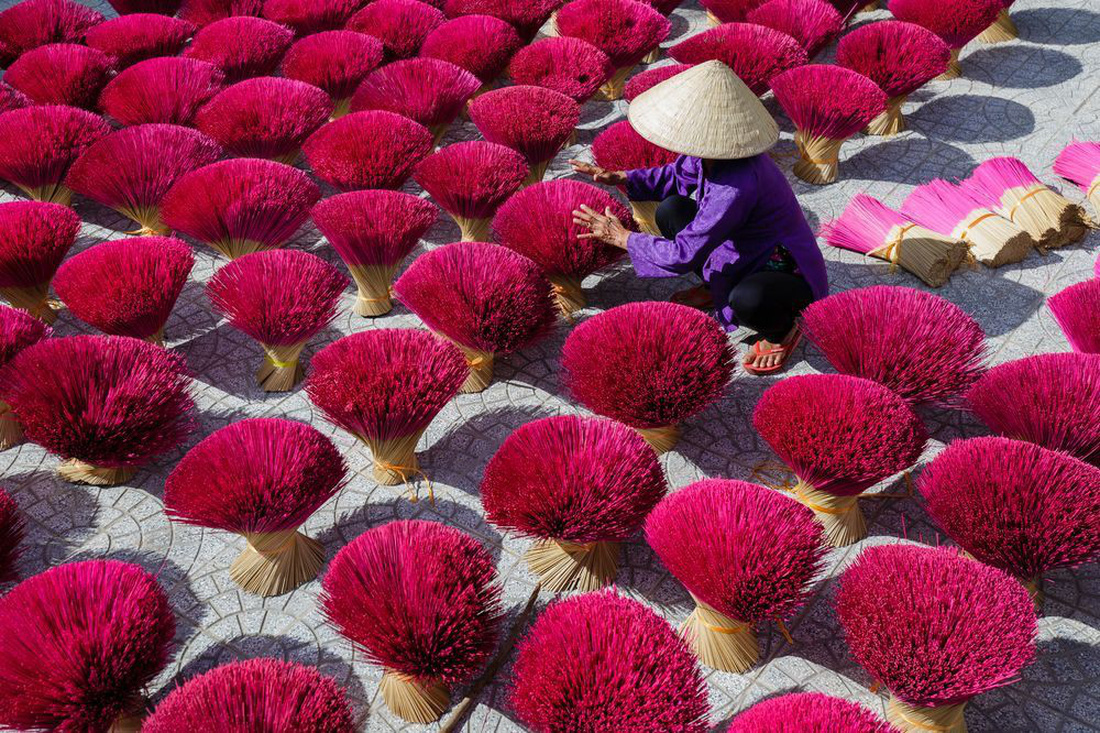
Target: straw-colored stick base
148	220
719	641
128	723
612	89
340	108
54	193
373	281
234	248
994	241
870	7
438	131
281	370
537	172
713	19
1052	219
916	719
473	230
274	563
891	121
929	255
33	300
564	566
567	294
839	516
818	158
417	701
954	68
1034	588
11	432
645	216
662	439
395	459
1002	30
481	370
652	56
78	472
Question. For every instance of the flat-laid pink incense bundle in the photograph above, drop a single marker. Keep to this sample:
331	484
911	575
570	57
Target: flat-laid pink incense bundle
1003	28
899	57
535	121
132	169
650	366
1018	507
242	47
1077	311
720	12
956	212
603	662
813	23
571	66
165	89
240	206
803	712
311	16
268	117
422	601
1079	162
428	91
269	694
38	144
401	25
650	78
335	61
261	479
205	12
133	38
375	149
526	16
538	223
840	435
757	54
12	98
470	181
81	642
34	238
480	44
373	231
870	227
956	23
936	629
11	527
923	347
126	287
33	23
61	73
18	330
626	30
827	104
746	554
620	148
282	299
384	387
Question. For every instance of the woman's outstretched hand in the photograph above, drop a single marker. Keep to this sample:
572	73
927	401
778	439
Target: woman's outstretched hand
599	175
602	227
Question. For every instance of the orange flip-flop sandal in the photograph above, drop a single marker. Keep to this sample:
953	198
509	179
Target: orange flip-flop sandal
786	349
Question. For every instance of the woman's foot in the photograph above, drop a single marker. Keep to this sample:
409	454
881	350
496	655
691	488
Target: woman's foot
696	297
766	357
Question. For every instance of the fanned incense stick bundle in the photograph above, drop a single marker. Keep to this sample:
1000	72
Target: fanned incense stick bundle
948	209
38	144
311	16
570	66
828	104
755	53
401	25
11	527
384	387
11	98
1002	29
899	57
261	479
33	23
620	148
18	330
870	227
335	61
133	38
813	23
745	553
1007	186
166	89
242	47
535	121
240	206
526	16
936	628
1077	311
131	170
269	694
803	712
470	181
923	347
61	73
1079	162
956	23
1018	507
576	486
650	78
1052	400
480	44
373	231
126	287
34	239
603	662
840	435
81	642
650	366
205	12
720	12
373	149
282	299
422	601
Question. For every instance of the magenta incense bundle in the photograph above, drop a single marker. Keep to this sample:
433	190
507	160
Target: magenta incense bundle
900	58
11	522
936	629
34	239
311	16
956	24
799	712
261	479
898	337
599	661
268	693
1079	163
32	23
828	104
240	206
422	601
81	642
335	61
61	73
205	12
526	16
746	554
480	44
721	12
401	25
131	170
39	144
375	149
840	435
18	330
373	232
242	47
650	78
1002	29
166	89
126	287
567	65
757	54
871	228
1077	312
813	23
538	223
385	386
620	148
133	38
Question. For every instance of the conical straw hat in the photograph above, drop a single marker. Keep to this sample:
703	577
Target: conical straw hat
705	112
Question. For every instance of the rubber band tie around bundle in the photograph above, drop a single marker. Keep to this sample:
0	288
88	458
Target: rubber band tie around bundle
1092	187
405	472
280	364
975	223
892	252
725	629
1037	189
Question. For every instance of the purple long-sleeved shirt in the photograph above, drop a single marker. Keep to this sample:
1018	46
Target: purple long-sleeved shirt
746	208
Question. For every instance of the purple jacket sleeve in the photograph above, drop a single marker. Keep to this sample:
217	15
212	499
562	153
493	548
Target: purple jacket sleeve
652	184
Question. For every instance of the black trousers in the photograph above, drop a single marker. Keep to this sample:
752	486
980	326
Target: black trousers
767	301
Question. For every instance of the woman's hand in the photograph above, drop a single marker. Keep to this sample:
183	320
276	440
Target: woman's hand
602	227
599	175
